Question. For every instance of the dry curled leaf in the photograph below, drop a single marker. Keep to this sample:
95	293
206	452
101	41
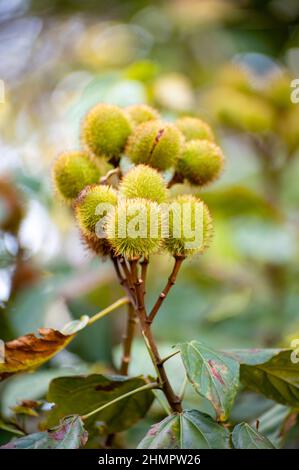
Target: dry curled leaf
30	351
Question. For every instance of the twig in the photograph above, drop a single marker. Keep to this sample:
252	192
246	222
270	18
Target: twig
144	265
128	339
170	356
110	175
126	395
130	328
173	400
136	287
122	279
170	283
128	277
176	178
106	311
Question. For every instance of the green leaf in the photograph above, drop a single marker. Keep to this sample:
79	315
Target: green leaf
245	437
252	356
81	395
239	201
272	423
272	373
214	375
70	434
31	386
187	430
10	427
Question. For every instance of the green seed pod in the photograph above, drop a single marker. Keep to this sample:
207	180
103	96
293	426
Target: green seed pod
201	162
72	171
187	227
156	144
134	228
105	130
194	128
241	111
140	113
288	127
145	182
235	76
94	203
278	90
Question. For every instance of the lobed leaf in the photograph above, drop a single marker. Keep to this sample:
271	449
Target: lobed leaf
213	374
70	434
190	429
246	437
81	395
270	372
276	422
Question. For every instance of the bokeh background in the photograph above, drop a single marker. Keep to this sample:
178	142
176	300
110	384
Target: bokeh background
57	59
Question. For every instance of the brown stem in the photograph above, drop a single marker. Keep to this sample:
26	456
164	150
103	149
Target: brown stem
126	283
177	178
136	288
112	174
128	280
170	283
128	340
144	265
131	319
122	280
173	400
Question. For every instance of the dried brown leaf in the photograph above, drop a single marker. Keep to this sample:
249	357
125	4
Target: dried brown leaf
30	351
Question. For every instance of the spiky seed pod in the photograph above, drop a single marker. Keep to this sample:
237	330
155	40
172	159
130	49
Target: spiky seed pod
92	204
105	130
277	90
140	113
72	171
201	162
189	228
288	127
194	128
134	228
236	77
156	144
238	110
142	181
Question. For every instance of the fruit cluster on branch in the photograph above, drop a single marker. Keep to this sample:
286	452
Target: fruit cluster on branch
94	182
185	150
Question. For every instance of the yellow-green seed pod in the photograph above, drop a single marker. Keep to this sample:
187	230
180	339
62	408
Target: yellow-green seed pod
72	172
201	162
142	181
288	127
187	228
278	90
134	228
236	77
194	128
140	113
156	144
241	111
105	130
92	205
